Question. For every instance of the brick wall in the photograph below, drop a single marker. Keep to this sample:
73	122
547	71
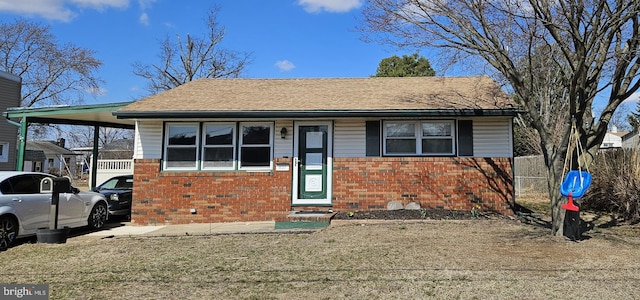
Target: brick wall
434	182
167	197
359	184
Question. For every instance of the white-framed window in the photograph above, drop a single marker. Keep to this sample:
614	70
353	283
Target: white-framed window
181	146
256	145
218	146
420	137
4	152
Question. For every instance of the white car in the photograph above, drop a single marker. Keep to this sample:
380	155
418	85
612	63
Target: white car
24	209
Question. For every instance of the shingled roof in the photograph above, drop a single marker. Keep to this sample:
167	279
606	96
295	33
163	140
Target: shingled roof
49	148
326	97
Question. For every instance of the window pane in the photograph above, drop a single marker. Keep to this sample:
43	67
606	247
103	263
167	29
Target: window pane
109	184
181	157
255	135
400	130
255	157
5	187
401	146
182	135
25	184
219	135
218	158
436	129
437	146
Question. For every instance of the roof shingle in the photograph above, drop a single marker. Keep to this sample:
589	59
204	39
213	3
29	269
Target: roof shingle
330	94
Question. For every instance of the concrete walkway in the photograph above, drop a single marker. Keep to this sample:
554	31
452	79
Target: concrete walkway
125	229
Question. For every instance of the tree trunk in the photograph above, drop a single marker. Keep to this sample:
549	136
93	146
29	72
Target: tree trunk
555	163
554	172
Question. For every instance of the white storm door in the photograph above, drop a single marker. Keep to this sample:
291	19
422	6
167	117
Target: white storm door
312	163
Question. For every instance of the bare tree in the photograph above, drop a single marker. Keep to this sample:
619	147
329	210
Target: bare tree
196	57
620	118
82	136
597	56
52	74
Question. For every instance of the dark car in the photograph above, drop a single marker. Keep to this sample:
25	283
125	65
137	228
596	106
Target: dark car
118	192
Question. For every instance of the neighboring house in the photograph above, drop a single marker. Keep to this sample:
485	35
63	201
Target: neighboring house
612	139
223	150
10	89
57	159
34	160
630	140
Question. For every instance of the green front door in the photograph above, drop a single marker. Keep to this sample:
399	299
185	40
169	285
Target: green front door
312	165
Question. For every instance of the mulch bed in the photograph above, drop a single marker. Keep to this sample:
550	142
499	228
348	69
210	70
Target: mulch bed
404	214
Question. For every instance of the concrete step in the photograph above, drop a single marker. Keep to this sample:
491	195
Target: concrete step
305	220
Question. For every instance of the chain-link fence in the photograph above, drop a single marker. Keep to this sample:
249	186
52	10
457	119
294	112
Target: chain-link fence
530	175
525	185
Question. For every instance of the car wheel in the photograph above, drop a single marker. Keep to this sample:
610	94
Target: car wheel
98	216
8	232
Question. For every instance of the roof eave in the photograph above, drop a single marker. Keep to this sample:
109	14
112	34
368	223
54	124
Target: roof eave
314	114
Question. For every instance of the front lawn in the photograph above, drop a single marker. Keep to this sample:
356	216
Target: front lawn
352	259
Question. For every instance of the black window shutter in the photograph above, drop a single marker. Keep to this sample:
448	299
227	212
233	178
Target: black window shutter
373	138
465	138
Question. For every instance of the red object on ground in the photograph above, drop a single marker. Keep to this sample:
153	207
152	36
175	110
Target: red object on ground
569	205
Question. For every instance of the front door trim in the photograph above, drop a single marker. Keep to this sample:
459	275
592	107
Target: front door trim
295	199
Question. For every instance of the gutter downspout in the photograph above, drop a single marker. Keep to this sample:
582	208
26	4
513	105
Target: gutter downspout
22	139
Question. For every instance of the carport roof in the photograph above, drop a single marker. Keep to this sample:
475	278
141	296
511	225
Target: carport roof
89	115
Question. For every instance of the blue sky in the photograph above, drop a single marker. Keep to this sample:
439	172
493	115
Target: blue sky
287	38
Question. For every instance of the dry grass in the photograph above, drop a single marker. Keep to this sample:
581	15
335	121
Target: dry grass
353	259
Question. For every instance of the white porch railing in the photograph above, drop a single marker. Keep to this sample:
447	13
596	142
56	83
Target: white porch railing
107	168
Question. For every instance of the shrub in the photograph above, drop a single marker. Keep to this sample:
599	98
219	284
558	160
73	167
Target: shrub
616	184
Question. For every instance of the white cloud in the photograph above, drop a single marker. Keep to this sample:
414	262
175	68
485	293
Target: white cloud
60	10
144	19
144	4
98	4
285	65
338	6
97	91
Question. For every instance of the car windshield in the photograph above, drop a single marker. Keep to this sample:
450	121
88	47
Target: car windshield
117	183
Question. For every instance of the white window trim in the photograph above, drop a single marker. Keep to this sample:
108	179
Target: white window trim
452	137
418	137
4	154
241	125
232	146
166	146
200	146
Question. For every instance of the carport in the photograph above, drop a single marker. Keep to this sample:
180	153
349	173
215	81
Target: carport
98	115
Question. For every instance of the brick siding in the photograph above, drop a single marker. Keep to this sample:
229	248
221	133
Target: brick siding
359	184
433	182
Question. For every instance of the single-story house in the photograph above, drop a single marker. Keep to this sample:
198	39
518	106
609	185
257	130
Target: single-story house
57	159
613	139
34	160
630	140
224	150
